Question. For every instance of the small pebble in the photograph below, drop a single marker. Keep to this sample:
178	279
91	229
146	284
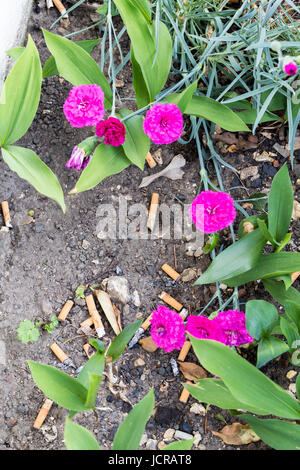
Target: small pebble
182	436
169	434
198	409
291	374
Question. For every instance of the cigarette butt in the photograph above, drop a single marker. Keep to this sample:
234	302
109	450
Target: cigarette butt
185	394
88	322
59	353
60	8
42	413
170	272
146	323
65	310
170	301
184	313
118	316
150	160
6	214
184	350
89	351
294	276
107	307
99	327
153	211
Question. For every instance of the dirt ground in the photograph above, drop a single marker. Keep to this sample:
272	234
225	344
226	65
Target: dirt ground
43	262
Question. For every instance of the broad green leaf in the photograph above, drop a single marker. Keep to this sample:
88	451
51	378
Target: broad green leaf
180	445
269	348
293	312
31	168
120	342
214	111
281	435
259	201
244	381
268	266
59	387
249	116
50	69
76	65
129	434
20	95
140	87
285	241
280	205
215	392
183	99
264	230
235	260
94	382
253	220
261	317
298	386
144	8
137	143
78	438
15	52
290	332
95	365
106	161
281	294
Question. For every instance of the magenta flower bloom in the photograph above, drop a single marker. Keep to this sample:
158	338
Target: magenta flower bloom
167	330
163	123
290	68
82	154
233	326
84	105
203	328
113	130
212	211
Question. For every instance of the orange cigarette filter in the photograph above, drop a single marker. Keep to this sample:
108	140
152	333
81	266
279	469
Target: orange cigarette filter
184	350
150	160
59	353
65	310
294	276
146	323
185	394
89	351
170	272
88	322
153	211
118	316
170	301
60	7
6	214
42	413
95	315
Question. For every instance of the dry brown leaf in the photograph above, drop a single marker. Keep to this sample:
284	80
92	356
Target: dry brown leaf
237	434
147	344
192	371
231	139
171	171
28	220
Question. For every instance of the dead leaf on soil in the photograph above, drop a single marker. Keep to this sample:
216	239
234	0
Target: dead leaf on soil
239	142
147	344
171	171
192	371
237	434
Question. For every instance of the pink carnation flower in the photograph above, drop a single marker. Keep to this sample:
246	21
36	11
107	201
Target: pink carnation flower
78	160
167	330
233	326
84	105
163	123
113	130
212	211
203	328
290	68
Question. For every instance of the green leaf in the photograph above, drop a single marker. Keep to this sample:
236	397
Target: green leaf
281	294
298	386
269	348
268	266
244	381
215	392
253	220
130	431
280	435
212	110
78	438
120	342
15	52
137	143
95	365
20	96
94	382
264	230
259	201
183	99
180	445
261	317
235	260
76	65
250	115
144	8
280	205
293	313
27	332
290	332
59	387
50	69
140	87
106	161
31	168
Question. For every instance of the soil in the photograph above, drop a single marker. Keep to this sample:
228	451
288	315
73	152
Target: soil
43	262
